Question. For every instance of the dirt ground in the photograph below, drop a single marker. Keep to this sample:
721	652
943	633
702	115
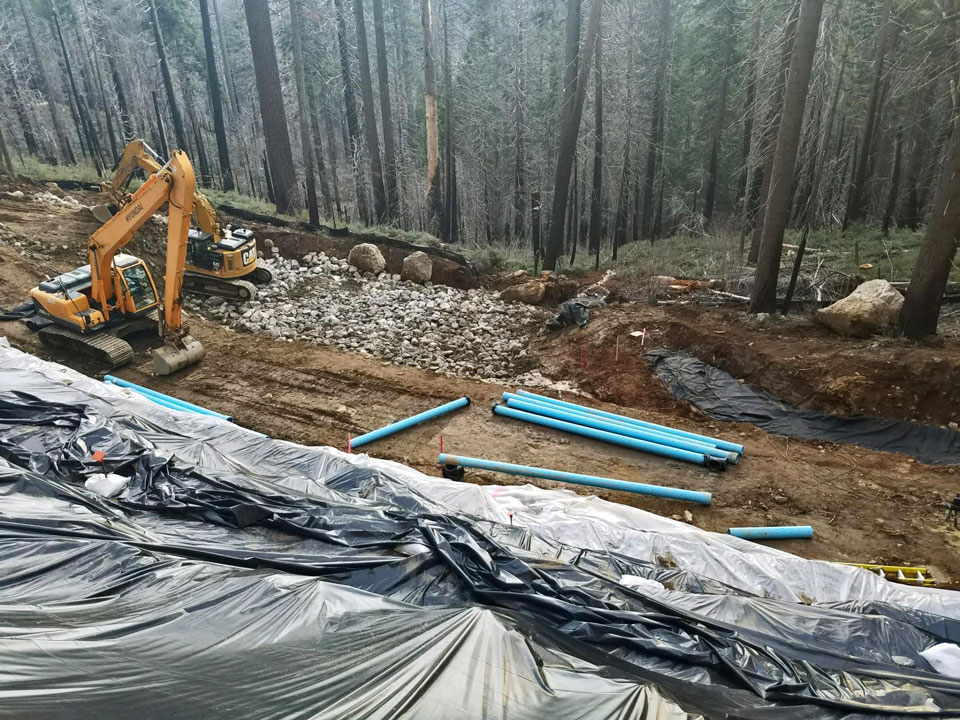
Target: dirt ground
864	506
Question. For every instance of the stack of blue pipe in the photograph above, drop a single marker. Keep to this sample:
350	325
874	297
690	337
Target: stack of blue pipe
619	429
167	401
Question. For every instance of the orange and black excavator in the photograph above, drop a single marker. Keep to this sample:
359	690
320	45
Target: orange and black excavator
91	309
220	261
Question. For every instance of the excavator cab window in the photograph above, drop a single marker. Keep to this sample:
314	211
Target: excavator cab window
140	286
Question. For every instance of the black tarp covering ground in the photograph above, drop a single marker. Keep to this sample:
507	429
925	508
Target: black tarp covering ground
723	397
221	588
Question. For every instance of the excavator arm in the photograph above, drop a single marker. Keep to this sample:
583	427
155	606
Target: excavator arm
173	184
137	154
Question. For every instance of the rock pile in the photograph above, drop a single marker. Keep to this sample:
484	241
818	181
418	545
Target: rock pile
327	301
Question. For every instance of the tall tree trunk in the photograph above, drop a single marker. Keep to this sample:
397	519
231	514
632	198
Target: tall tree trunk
519	174
770	131
912	212
28	135
891	206
317	134
126	121
47	89
713	161
272	113
828	133
386	115
648	222
623	200
168	78
370	116
225	59
451	216
434	201
858	193
764	296
535	228
85	124
596	186
161	135
566	155
353	127
98	76
751	91
921	309
575	88
205	177
303	111
213	86
6	164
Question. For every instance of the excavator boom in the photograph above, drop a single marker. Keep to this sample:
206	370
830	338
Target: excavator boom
175	183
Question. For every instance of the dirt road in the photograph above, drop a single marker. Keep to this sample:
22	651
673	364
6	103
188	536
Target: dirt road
865	506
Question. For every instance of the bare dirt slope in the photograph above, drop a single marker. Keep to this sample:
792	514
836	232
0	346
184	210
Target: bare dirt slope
865	506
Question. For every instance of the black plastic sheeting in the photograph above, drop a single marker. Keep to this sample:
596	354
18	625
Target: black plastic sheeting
220	588
723	397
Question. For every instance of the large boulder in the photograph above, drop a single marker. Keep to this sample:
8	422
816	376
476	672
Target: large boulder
366	257
872	308
417	267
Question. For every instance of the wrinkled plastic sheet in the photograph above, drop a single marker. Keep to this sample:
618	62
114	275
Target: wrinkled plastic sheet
240	576
723	397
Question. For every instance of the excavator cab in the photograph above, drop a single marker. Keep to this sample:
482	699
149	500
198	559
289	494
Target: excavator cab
67	299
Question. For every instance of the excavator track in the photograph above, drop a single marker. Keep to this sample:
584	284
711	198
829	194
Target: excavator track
217	287
105	349
261	275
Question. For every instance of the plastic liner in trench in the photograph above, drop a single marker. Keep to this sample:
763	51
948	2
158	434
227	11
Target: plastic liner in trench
723	397
243	576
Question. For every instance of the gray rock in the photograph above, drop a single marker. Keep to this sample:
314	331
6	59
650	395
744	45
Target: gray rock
417	267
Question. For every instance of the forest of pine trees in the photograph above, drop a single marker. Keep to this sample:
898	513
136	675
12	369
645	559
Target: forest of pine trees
541	124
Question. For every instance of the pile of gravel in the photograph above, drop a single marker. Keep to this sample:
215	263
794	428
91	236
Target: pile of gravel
326	301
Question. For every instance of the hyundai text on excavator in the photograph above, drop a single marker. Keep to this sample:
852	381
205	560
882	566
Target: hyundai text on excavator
220	262
91	309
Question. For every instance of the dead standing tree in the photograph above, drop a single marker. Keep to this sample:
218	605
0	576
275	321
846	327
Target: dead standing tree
764	296
575	88
921	309
272	113
434	199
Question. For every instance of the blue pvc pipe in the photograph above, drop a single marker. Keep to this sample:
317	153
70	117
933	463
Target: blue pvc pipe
409	422
176	402
156	400
601	482
634	431
788	532
172	406
612	438
722	444
583	410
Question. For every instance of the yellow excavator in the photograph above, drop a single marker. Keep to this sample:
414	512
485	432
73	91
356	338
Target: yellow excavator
220	262
91	309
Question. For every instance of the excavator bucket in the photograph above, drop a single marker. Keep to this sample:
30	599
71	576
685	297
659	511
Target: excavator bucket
169	358
102	212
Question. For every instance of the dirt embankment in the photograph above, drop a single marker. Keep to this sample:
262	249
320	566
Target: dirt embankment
794	359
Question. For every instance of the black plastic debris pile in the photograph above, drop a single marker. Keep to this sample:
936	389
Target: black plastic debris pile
723	397
242	577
